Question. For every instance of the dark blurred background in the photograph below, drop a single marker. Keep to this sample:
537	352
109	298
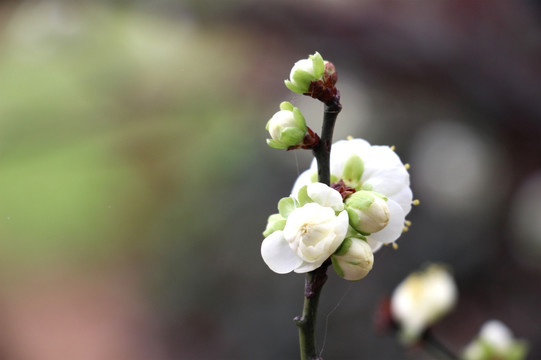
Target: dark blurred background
135	181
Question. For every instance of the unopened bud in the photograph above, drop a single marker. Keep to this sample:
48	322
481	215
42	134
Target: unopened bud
287	127
304	72
353	260
368	211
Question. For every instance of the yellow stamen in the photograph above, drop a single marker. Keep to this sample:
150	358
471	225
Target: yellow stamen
408	223
405	228
416	202
393	148
407	166
395	246
349	137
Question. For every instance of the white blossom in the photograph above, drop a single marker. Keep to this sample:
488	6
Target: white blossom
312	232
422	299
370	168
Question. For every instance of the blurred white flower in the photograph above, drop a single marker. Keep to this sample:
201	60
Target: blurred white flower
370	168
311	234
421	300
495	342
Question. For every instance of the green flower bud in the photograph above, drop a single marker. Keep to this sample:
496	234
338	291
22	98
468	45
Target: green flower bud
353	260
304	72
368	211
287	127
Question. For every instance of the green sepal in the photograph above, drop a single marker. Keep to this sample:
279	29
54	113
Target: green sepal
380	195
303	196
353	171
352	233
299	119
275	144
286	105
344	247
303	79
360	200
337	267
286	206
354	220
293	87
291	136
274	223
319	65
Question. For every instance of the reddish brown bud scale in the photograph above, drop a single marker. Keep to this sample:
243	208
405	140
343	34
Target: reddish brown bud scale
343	189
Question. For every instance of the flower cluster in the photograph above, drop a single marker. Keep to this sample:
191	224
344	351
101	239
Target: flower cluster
378	198
382	195
364	207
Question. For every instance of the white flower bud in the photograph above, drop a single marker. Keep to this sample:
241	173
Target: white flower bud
368	212
304	72
287	127
421	300
353	260
495	341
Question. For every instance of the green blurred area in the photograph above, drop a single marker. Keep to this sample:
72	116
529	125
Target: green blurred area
108	118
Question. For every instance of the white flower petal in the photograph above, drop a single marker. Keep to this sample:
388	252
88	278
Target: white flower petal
394	228
374	245
306	267
341	152
404	198
325	196
278	255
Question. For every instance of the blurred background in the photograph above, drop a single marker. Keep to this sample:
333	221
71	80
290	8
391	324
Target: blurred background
135	180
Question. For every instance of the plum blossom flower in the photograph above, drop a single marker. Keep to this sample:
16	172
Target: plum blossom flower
315	226
380	176
421	300
494	342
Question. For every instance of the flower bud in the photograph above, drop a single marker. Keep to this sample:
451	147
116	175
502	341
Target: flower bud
304	72
353	260
368	211
495	341
287	127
